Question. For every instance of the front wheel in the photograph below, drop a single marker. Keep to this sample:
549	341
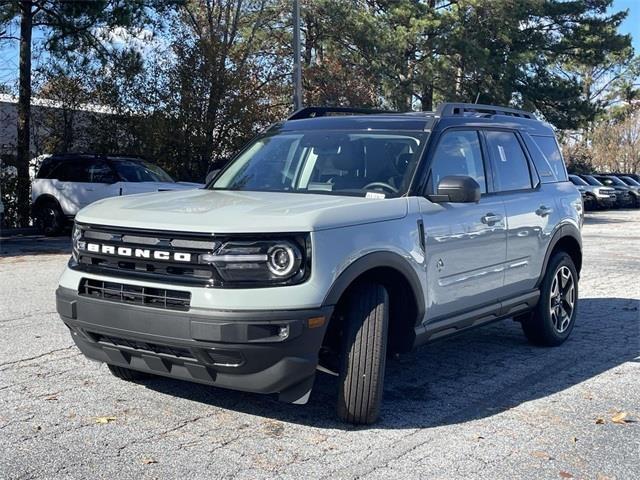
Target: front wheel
553	319
363	354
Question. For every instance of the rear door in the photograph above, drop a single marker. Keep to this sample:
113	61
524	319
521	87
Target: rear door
530	207
465	242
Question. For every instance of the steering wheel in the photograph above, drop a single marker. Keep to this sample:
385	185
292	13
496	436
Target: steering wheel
382	185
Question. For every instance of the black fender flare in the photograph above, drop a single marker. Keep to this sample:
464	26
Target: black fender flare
564	231
376	260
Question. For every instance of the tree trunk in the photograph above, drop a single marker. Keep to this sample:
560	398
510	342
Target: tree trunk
427	96
24	114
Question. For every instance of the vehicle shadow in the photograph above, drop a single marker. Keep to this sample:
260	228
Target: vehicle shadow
474	375
34	245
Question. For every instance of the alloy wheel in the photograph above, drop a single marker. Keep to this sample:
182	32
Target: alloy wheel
562	299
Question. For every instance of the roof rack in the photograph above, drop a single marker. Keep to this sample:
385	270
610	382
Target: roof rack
312	112
451	109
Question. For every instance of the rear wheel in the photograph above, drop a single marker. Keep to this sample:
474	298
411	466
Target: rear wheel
363	354
552	320
49	218
126	373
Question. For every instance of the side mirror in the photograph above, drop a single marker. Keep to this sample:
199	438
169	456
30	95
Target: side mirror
211	175
457	189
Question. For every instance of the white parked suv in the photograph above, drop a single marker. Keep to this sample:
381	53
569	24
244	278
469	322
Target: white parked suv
66	183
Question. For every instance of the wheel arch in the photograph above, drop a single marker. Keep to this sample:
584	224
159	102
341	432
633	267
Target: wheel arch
567	238
403	285
44	198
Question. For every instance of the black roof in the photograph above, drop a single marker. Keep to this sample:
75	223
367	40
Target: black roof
447	114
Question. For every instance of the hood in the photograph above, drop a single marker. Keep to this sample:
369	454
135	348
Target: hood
239	212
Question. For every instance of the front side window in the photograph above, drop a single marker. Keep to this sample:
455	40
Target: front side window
140	171
337	163
510	165
99	171
458	154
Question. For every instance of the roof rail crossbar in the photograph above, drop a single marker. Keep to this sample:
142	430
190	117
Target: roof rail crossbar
451	109
312	112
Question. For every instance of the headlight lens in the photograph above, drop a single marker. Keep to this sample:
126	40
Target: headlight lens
76	235
268	262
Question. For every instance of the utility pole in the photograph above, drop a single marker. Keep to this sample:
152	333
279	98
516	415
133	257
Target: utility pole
297	66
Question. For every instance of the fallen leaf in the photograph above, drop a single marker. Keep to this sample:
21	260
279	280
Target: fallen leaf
105	419
574	439
543	455
564	474
149	461
620	417
599	421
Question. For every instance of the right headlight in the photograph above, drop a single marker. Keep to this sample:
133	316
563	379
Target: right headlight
261	262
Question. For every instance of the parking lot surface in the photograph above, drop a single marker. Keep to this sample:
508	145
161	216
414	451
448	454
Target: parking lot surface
481	405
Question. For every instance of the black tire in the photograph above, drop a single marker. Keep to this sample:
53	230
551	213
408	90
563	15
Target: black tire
552	321
363	354
49	218
126	373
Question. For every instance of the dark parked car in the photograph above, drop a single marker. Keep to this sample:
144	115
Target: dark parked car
614	182
623	197
594	196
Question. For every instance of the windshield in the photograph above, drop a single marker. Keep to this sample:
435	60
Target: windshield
592	181
630	181
577	180
614	180
338	163
140	171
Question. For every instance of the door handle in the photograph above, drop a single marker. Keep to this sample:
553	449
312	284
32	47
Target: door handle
491	218
543	211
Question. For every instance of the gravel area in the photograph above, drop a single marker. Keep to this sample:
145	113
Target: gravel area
482	405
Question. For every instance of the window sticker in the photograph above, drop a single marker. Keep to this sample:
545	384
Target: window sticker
503	157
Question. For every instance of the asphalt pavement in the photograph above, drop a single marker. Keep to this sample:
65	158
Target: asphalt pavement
481	405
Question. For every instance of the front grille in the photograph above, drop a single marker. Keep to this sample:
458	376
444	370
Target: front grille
135	295
161	270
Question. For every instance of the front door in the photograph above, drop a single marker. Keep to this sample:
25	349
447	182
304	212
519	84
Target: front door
465	242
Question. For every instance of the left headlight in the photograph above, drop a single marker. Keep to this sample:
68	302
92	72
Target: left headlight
261	262
76	242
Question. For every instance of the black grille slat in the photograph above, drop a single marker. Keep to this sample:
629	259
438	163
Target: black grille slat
177	352
135	295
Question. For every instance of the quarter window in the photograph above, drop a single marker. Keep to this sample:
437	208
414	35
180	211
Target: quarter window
458	154
549	148
510	165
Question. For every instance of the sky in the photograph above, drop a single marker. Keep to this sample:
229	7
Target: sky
631	24
9	50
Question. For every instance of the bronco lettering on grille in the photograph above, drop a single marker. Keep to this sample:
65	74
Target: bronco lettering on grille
138	252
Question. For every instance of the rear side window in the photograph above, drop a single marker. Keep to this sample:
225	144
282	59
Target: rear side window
549	148
510	165
72	171
47	167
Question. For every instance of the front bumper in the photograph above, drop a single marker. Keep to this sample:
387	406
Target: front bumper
240	350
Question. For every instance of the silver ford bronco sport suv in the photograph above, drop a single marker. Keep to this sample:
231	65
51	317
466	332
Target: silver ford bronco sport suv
335	238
